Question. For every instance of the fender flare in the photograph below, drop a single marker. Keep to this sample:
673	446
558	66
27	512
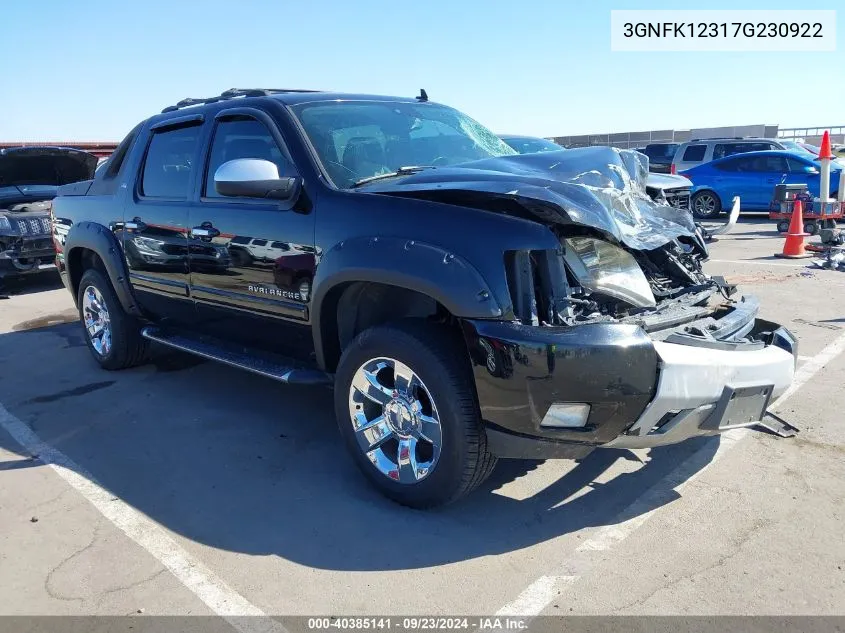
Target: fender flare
99	239
422	267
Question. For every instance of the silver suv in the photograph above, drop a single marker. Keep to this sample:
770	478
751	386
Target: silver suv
698	151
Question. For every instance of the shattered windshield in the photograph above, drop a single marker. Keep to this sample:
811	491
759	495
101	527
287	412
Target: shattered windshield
356	140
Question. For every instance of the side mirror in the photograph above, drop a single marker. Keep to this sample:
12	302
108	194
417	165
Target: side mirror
254	178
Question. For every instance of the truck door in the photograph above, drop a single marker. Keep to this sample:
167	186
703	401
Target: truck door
252	270
154	228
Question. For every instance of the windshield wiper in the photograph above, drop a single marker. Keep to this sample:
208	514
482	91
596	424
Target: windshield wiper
402	171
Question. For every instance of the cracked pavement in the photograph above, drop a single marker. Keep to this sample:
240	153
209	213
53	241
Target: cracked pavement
252	480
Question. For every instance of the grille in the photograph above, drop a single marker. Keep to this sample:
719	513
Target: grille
34	226
678	198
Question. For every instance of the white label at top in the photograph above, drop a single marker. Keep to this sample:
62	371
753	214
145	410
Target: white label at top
723	31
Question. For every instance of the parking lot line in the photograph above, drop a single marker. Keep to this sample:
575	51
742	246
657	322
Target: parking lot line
536	596
751	261
539	594
214	592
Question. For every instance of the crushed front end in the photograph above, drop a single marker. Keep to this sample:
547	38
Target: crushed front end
29	180
26	242
611	332
659	357
619	338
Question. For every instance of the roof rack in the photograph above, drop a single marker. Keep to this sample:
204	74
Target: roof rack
231	94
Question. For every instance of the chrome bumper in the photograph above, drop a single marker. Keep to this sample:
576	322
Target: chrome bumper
706	391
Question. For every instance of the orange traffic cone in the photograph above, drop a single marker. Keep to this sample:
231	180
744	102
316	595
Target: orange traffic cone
824	150
793	247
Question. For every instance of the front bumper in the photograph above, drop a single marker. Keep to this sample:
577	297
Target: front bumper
643	389
705	391
27	256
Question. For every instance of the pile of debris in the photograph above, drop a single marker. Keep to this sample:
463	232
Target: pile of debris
833	259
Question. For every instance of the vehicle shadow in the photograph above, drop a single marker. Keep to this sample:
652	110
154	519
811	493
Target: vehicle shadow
31	284
244	464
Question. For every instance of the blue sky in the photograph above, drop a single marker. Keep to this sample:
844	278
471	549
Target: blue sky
90	70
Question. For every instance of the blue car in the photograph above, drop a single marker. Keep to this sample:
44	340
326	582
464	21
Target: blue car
752	176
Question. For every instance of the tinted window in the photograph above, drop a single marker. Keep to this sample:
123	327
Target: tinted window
694	153
280	245
241	138
664	152
170	157
720	150
732	164
775	164
796	165
239	240
259	242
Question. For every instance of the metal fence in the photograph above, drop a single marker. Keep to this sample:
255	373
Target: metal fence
631	140
813	135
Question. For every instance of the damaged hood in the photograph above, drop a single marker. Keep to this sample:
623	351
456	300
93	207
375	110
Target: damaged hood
598	187
667	181
31	169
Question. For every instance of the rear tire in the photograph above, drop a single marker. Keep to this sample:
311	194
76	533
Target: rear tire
113	337
706	205
392	417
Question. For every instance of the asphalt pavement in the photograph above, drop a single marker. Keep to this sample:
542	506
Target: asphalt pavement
188	487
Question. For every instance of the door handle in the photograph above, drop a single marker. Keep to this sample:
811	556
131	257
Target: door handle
205	230
134	224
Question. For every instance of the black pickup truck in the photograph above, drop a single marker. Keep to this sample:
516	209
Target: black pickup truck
467	303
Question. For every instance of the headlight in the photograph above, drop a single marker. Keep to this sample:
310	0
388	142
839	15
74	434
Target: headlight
147	244
604	268
4	223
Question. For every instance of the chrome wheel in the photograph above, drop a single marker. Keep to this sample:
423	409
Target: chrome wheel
395	420
97	323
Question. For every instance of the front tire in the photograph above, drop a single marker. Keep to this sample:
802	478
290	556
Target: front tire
113	337
406	406
706	205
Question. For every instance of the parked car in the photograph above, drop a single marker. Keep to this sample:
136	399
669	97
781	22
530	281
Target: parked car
699	151
801	148
660	156
752	176
468	303
531	144
247	249
29	178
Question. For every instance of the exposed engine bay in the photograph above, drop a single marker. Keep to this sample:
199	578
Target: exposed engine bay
658	288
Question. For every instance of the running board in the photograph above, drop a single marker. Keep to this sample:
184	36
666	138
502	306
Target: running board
275	367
